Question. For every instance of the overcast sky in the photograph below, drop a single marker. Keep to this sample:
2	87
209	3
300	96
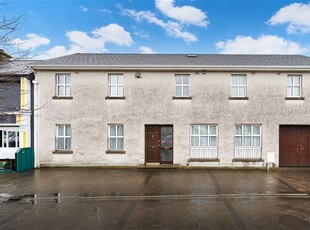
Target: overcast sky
54	28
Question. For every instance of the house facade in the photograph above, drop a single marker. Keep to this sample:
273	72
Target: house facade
188	110
15	106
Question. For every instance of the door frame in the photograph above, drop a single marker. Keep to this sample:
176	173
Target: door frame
145	142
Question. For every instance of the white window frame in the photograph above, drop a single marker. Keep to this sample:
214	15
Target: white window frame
250	151
204	151
67	138
239	85
5	138
117	137
292	87
182	85
65	86
118	86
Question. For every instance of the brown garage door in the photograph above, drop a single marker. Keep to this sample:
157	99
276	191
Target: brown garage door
294	145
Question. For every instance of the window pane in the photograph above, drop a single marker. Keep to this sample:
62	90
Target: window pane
239	130
61	79
68	143
203	141
256	141
234	91
119	130
113	79
296	91
68	91
289	91
203	130
212	130
113	143
61	90
185	80
120	91
234	80
238	141
68	130
112	130
178	91
120	144
178	80
212	141
166	130
5	139
296	80
289	80
113	90
195	141
61	130
195	129
60	143
247	130
185	91
12	138
242	80
120	80
246	141
256	130
241	91
1	140
68	79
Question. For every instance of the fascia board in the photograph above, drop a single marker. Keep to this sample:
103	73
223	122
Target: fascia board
170	68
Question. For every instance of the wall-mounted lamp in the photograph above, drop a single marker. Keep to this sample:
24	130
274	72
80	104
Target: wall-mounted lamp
138	75
204	72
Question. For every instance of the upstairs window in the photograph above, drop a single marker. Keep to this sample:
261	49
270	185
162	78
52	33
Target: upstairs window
293	86
63	137
238	85
182	85
63	85
116	85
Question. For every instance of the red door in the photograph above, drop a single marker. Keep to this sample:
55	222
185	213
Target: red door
152	144
294	145
159	144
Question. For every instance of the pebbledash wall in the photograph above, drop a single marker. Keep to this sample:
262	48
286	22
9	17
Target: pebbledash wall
149	101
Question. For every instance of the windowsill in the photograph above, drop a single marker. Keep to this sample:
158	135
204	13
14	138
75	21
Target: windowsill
238	98
63	97
115	98
115	152
182	98
203	160
63	152
248	160
294	98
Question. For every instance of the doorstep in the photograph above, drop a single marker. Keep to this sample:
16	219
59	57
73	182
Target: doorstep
158	166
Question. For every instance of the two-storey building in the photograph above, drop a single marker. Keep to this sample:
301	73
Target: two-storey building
15	106
190	110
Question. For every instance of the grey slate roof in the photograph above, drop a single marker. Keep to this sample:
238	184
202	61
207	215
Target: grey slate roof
16	67
108	59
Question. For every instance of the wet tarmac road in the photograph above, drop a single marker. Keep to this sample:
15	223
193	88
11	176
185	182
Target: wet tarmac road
82	198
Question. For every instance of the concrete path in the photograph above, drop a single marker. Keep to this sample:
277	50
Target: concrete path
84	198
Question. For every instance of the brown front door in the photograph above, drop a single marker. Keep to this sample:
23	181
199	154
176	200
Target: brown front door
294	145
159	144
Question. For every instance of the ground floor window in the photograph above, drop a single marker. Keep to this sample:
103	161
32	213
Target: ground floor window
204	141
9	139
116	137
248	141
63	137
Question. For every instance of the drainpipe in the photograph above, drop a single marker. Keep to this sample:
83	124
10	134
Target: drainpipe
36	118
